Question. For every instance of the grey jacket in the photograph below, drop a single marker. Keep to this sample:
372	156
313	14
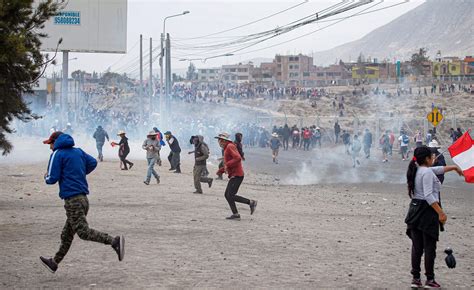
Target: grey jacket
201	151
152	148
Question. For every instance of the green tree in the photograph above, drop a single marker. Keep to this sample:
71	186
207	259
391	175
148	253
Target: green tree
78	74
418	60
21	61
177	78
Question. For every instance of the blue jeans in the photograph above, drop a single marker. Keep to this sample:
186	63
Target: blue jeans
99	148
151	169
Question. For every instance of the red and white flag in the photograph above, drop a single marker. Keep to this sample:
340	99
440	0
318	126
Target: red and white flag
462	153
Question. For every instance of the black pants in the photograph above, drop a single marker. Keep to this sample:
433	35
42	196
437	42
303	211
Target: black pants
231	193
306	144
174	160
421	242
285	143
124	161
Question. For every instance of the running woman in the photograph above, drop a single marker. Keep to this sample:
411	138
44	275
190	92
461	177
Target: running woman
124	150
69	166
235	171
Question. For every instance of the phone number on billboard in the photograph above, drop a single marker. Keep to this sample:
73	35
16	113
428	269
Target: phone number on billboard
67	20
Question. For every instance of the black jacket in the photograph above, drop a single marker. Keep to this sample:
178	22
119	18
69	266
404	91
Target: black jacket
423	217
175	145
440	161
124	148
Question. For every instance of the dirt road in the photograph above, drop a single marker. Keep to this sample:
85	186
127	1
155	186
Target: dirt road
332	234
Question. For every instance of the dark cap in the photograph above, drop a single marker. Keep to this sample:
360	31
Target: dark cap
53	137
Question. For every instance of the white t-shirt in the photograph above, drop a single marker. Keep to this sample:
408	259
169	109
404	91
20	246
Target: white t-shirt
403	144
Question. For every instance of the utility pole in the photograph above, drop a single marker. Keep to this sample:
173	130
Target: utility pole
150	80
64	87
141	78
168	74
163	101
162	98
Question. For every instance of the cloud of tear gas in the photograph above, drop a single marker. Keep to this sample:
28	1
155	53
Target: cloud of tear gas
204	116
333	166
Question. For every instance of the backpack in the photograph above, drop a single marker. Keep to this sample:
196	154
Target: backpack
306	134
405	139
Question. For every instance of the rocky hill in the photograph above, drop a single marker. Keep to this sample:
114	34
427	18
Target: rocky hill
446	25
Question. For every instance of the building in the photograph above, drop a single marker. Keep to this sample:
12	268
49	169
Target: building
265	74
336	74
469	66
365	71
237	73
448	67
209	74
291	70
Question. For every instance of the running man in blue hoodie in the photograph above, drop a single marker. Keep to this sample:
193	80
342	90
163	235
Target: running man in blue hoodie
69	166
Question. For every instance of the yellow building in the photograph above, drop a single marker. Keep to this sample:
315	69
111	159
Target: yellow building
365	72
448	67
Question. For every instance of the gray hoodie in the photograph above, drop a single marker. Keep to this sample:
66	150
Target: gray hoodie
152	148
201	151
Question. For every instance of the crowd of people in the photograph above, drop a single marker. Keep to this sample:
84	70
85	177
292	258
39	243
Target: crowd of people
221	92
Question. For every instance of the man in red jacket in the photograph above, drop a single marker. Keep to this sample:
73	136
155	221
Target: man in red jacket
233	167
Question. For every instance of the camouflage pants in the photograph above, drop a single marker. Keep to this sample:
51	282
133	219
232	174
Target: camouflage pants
76	223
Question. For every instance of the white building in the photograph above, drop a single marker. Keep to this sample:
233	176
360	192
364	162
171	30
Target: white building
208	74
238	73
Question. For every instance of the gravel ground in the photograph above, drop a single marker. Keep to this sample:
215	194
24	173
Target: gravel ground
318	225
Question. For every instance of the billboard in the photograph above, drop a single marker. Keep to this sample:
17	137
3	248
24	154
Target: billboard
88	26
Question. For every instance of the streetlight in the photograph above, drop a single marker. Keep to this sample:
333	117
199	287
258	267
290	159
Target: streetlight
205	59
162	101
222	55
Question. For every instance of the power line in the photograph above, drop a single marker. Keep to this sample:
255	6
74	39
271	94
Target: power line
255	36
247	24
314	31
362	12
120	59
242	44
298	24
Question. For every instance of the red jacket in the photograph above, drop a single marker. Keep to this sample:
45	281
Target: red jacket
233	160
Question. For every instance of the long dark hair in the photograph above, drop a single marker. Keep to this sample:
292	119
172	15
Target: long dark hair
419	158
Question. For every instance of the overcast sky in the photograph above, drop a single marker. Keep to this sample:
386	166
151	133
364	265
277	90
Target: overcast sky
206	17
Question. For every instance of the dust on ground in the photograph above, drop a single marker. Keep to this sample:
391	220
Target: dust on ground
323	235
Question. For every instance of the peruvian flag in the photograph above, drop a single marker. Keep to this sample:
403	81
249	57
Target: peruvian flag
462	153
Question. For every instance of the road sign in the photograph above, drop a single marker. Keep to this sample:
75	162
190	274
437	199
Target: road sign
435	117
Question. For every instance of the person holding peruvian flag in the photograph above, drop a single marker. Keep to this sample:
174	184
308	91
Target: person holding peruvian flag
425	214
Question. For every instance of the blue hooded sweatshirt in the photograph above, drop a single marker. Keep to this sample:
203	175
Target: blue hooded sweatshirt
69	166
